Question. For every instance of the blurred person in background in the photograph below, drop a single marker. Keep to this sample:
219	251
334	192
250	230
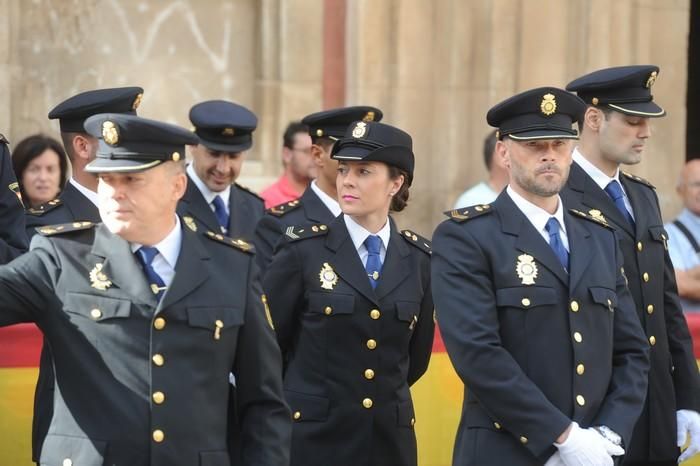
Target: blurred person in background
41	167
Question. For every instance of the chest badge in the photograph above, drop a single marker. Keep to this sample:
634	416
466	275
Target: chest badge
98	279
328	277
526	268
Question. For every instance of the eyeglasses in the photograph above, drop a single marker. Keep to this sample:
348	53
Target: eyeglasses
303	150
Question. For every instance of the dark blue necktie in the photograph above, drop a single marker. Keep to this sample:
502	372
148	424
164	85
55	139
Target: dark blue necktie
614	190
557	246
373	244
146	255
220	212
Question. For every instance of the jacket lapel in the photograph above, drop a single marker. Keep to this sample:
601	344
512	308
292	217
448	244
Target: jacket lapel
197	206
579	257
239	212
81	208
395	268
639	204
191	269
314	208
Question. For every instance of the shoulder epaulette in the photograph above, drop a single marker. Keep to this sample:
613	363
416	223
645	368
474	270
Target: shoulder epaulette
248	190
638	179
467	213
296	233
45	207
3	139
593	215
233	242
418	241
14	187
51	230
281	209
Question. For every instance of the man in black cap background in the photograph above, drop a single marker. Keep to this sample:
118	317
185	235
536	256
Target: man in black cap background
533	307
319	203
77	202
146	321
213	197
13	240
614	131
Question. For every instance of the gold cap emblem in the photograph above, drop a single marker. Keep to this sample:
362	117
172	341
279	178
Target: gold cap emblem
327	276
359	130
526	268
228	132
137	101
548	104
369	116
651	80
110	133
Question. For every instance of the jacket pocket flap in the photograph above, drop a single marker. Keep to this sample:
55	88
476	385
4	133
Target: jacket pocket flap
526	297
658	233
96	307
604	296
407	310
207	317
307	407
80	450
337	302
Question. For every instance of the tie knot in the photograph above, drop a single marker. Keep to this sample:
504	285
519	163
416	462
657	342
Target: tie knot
147	254
218	203
614	190
373	244
552	226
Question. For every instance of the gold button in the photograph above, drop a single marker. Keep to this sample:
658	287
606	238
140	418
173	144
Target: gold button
374	314
652	340
158	360
574	306
328	310
578	337
413	421
297	415
523	440
369	374
650	309
158	397
371	344
367	403
580	369
159	323
67	462
95	314
645	277
525	302
580	400
640	246
158	435
609	303
497	425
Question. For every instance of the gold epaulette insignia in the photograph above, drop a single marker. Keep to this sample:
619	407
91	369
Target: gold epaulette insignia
233	242
281	209
45	207
467	213
418	241
50	230
638	179
594	216
292	233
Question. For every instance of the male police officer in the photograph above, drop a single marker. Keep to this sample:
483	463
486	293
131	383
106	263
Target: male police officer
146	321
533	308
614	131
319	203
213	197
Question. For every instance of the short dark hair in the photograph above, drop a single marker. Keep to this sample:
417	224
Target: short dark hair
400	199
32	147
295	127
606	112
489	148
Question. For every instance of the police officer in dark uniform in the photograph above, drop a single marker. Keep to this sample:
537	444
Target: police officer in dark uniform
614	131
533	307
319	203
353	312
146	320
78	200
13	241
213	198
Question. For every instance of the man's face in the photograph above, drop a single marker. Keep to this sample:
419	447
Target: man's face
538	167
134	205
689	186
299	159
622	138
326	166
218	170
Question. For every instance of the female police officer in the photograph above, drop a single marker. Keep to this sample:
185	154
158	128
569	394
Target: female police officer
353	312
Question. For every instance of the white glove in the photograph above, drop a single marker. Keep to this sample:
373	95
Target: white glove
586	447
555	460
688	423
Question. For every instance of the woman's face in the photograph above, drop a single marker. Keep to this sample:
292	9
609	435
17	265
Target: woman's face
41	178
365	188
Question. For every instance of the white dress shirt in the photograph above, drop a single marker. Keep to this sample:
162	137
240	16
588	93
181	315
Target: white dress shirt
358	235
168	252
539	217
91	195
328	201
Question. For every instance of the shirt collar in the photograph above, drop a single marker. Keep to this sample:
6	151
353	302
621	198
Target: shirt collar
168	247
90	194
537	215
208	194
600	178
359	234
328	201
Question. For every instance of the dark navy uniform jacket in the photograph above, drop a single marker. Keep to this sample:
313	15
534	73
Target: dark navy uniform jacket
13	241
673	378
140	383
351	352
245	210
308	209
536	346
70	206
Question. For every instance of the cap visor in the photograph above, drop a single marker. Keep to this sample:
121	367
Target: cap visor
220	147
642	109
542	134
352	153
101	165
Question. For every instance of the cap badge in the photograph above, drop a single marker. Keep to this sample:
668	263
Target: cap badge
228	132
110	133
98	279
548	104
526	268
359	130
327	276
651	80
369	116
137	101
